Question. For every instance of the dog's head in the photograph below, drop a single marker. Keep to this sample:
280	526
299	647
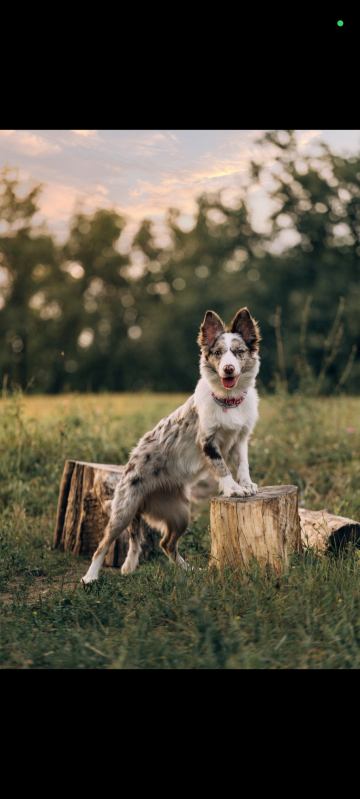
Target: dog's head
228	353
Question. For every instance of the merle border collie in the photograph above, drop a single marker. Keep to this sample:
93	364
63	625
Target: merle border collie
214	423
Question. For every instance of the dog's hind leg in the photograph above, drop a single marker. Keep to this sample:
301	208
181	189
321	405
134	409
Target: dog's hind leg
168	544
135	540
176	525
170	513
99	555
124	507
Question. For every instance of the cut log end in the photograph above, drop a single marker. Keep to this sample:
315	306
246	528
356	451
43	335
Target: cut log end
324	531
265	527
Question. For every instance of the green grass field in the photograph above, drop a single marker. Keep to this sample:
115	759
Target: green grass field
160	617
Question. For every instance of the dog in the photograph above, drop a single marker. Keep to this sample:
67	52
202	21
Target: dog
216	421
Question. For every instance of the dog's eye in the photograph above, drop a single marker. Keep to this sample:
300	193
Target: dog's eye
240	352
218	352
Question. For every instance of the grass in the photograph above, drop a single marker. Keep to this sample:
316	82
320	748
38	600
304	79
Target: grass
159	617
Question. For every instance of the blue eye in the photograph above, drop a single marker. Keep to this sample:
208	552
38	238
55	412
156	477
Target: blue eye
218	352
240	352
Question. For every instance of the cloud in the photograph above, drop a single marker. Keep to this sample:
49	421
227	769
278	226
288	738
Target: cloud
218	168
133	145
58	201
102	189
27	143
181	185
84	132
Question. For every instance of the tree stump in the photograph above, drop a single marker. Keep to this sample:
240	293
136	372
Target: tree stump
265	526
322	530
86	492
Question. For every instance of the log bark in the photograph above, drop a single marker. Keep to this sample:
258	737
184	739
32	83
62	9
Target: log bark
86	492
265	526
322	530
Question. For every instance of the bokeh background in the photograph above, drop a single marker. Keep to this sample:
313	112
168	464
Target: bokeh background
105	275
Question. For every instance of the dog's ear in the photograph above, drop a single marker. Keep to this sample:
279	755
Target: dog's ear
244	324
211	328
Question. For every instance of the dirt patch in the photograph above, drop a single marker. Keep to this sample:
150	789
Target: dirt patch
41	588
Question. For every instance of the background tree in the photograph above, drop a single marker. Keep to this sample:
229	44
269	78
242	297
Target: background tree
27	258
319	198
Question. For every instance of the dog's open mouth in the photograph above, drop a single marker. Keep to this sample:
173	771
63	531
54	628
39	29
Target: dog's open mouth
229	382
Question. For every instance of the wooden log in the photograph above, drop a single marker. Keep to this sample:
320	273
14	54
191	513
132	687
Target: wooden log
322	530
86	492
265	526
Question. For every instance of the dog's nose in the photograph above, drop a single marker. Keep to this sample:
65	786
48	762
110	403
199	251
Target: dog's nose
229	369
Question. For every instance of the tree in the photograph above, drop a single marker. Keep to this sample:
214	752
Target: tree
28	260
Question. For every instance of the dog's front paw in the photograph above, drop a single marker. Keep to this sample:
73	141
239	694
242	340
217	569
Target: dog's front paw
252	488
241	491
244	480
232	489
236	490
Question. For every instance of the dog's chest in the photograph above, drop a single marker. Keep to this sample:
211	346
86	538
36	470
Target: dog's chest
228	421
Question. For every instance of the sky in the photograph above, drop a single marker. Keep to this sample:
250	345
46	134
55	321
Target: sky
141	173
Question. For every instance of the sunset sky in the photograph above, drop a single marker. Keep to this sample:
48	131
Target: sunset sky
142	173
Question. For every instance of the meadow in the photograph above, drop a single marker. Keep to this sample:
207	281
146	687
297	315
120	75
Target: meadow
159	616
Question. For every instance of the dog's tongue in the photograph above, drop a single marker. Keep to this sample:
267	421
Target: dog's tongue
228	382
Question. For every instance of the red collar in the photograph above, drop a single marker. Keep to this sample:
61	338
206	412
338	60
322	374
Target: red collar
229	402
